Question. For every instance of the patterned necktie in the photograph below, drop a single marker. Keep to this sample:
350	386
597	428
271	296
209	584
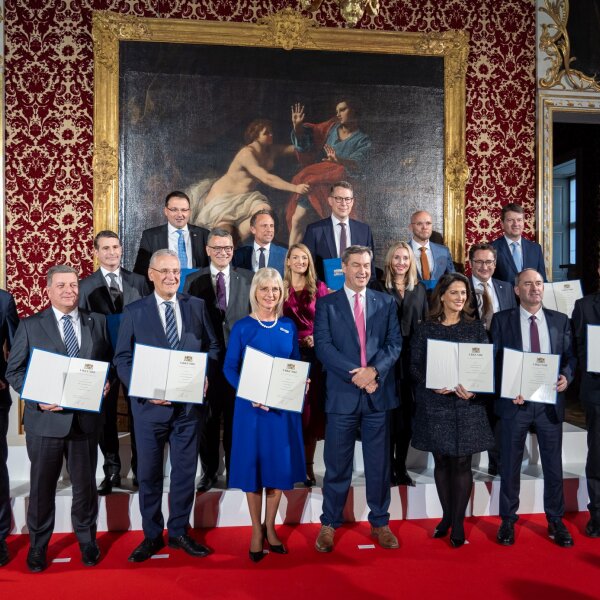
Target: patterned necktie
261	259
221	294
425	272
171	325
181	251
115	292
359	320
343	238
70	337
534	335
517	256
487	307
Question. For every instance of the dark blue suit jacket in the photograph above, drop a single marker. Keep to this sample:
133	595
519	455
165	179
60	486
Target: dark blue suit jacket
505	332
242	257
9	321
141	324
338	349
320	240
533	258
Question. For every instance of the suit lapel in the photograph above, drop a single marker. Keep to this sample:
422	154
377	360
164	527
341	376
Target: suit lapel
330	238
87	324
234	295
346	309
596	308
552	331
154	322
184	307
129	292
372	307
515	326
194	245
50	326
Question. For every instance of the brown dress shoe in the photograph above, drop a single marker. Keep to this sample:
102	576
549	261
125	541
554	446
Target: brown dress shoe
324	541
385	537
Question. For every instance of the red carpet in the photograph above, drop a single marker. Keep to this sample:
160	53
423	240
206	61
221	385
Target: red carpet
533	569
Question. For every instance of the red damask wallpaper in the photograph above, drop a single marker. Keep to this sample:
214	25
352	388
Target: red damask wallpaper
49	113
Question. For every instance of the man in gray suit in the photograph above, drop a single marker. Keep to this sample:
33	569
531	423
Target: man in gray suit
226	292
107	291
53	433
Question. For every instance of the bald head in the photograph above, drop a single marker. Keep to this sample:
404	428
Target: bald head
421	226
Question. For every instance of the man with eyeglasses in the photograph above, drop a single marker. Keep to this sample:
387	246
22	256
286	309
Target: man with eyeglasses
187	241
433	260
225	290
328	238
166	319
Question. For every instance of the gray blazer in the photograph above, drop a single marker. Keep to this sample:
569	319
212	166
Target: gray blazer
95	296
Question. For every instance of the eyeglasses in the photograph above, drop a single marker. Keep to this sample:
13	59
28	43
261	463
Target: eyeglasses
167	271
221	249
342	199
481	263
176	211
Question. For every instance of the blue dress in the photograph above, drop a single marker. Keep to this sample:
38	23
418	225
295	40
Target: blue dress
267	448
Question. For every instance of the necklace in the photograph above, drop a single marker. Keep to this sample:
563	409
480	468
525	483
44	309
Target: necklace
263	325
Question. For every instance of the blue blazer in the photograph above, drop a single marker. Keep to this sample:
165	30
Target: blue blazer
338	349
505	265
505	332
442	261
242	257
141	323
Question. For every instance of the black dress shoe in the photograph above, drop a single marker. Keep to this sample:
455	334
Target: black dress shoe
277	548
90	553
592	529
506	533
4	555
207	482
189	545
560	534
441	530
36	559
108	483
146	549
405	479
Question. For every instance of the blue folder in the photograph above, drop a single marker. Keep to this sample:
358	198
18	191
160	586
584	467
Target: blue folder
184	274
334	277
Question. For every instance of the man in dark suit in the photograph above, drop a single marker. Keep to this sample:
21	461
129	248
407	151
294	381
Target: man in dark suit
328	238
532	328
515	253
53	433
263	252
165	319
8	325
587	312
226	294
187	241
433	260
106	291
358	355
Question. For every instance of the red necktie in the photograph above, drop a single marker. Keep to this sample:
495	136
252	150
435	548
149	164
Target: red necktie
534	335
359	319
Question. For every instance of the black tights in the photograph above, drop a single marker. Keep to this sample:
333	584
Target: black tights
454	481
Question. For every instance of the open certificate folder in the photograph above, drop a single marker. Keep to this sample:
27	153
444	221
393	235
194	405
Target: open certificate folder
451	363
76	383
562	295
530	375
593	348
164	374
273	382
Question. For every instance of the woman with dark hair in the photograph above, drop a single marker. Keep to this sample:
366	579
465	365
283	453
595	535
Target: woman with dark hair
331	151
450	423
230	201
401	282
301	290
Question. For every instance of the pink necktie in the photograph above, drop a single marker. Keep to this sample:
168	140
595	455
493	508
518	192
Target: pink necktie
359	319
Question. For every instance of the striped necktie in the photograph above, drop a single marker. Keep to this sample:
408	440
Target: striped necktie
70	337
171	325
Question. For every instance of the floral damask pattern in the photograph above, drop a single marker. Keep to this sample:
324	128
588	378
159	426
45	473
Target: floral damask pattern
49	113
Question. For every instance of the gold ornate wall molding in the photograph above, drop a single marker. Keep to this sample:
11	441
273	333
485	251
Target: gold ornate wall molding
289	30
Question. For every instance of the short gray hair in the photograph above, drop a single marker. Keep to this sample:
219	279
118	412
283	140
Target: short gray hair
163	252
59	269
518	275
356	250
262	275
219	232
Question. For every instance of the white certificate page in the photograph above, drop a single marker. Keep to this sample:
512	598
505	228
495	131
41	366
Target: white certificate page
512	373
476	367
540	373
45	377
442	365
255	376
288	384
84	384
593	348
185	377
149	372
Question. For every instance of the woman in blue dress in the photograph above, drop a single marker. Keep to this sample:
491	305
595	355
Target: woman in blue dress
267	449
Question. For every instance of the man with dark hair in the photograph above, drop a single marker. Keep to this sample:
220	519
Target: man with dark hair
329	238
53	433
188	241
107	291
263	252
516	253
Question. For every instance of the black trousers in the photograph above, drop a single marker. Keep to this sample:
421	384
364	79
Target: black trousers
401	427
592	465
5	512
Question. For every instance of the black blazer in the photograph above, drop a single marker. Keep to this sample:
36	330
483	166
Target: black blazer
41	331
156	238
586	312
9	321
94	294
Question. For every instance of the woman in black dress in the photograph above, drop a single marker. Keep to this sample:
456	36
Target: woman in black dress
450	423
401	282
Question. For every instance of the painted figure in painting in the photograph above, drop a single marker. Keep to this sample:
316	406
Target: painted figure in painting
328	152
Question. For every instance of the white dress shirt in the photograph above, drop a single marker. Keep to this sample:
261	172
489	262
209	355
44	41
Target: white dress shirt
162	312
117	272
226	279
363	300
174	241
75	321
337	232
478	287
542	325
416	247
256	255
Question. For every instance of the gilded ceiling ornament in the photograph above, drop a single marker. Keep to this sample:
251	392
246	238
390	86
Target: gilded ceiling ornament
288	29
352	10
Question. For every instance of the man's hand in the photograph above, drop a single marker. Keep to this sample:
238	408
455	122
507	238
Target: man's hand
160	402
363	376
106	389
50	407
562	383
372	387
519	400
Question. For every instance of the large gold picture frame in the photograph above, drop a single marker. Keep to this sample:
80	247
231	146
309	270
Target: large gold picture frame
291	31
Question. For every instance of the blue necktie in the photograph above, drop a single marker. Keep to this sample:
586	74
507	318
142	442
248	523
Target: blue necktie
517	256
181	251
70	337
171	325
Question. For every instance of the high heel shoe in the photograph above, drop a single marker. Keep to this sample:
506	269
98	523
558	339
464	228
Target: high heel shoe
456	542
258	556
275	548
310	480
441	530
